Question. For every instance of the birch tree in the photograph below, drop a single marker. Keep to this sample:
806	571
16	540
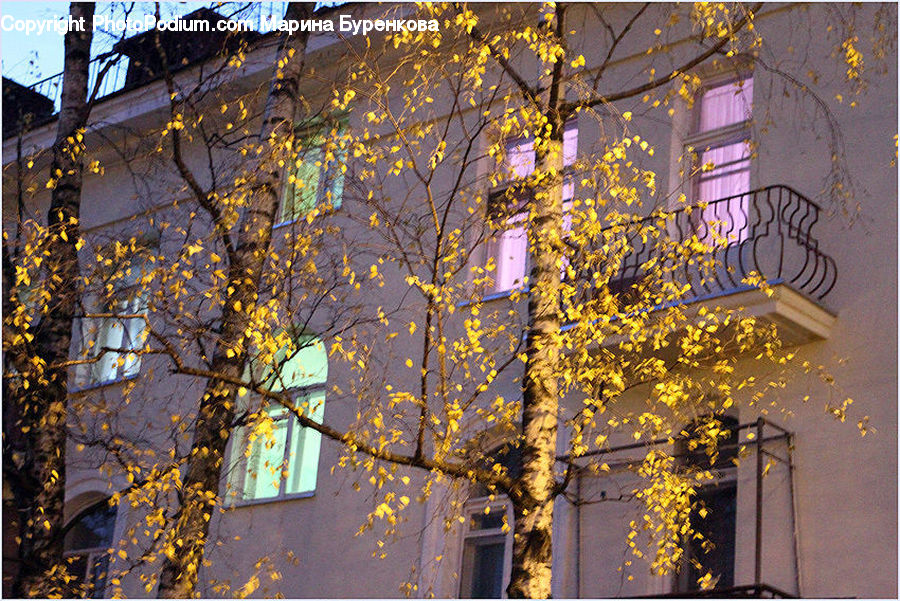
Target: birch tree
443	110
35	402
247	258
427	101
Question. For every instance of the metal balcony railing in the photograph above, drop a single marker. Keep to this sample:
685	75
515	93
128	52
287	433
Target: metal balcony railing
768	232
748	591
765	445
113	80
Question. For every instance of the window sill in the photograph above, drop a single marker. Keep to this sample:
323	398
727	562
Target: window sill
493	296
284	224
106	383
238	503
323	213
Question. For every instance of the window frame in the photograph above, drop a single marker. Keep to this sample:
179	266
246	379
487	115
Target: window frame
683	581
506	453
127	299
731	78
292	425
698	141
328	177
120	368
238	475
725	473
93	555
494	243
511	180
476	506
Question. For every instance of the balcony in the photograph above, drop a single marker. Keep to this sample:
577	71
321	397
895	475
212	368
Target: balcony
760	546
769	233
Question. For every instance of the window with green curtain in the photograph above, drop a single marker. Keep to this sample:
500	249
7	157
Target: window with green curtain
276	456
317	175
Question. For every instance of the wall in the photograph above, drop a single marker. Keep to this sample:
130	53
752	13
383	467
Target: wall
844	484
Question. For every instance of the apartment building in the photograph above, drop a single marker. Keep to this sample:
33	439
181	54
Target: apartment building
809	510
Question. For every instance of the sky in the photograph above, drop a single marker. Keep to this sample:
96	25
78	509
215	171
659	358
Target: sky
28	58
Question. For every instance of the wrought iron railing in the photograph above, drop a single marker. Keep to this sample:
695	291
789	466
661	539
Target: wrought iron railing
748	591
113	80
766	232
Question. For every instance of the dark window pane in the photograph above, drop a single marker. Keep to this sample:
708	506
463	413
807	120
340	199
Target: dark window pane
698	457
98	576
77	568
718	527
482	570
488	521
89	537
94	528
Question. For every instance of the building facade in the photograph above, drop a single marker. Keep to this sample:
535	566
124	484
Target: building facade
809	508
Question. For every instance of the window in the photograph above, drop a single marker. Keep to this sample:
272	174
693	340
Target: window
128	298
87	544
716	555
276	456
317	177
487	551
125	333
715	513
509	247
723	160
486	558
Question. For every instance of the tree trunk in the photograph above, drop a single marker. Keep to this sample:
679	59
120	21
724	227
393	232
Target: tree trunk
532	557
533	503
37	429
533	499
199	494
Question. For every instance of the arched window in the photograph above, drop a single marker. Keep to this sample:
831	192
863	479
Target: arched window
487	540
87	544
277	457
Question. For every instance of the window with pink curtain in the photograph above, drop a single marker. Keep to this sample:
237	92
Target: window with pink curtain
509	247
728	180
726	104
